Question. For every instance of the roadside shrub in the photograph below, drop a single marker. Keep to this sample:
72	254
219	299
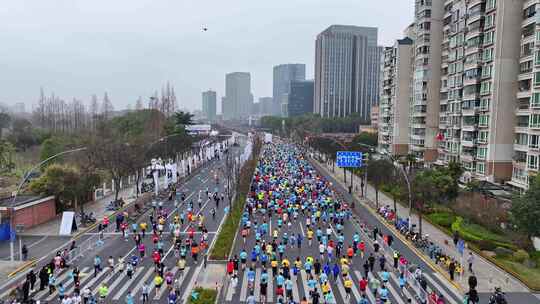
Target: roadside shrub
520	256
443	219
486	245
503	252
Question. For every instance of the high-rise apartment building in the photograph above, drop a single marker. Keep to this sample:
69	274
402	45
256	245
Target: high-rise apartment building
480	63
527	106
424	104
393	120
238	98
283	75
209	105
300	99
347	64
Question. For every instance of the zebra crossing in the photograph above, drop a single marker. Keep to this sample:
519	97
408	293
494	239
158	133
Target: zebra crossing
118	284
398	295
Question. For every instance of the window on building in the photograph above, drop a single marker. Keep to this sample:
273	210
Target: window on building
537	57
532	162
534	121
535	100
483	120
533	141
480	168
490	4
488	55
484	104
521	139
483	136
481	153
487	71
536	78
488	37
485	87
489	21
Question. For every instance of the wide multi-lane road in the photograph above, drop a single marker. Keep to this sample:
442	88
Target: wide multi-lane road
116	246
289	183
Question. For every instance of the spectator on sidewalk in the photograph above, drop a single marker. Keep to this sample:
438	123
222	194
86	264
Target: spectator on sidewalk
470	261
24	252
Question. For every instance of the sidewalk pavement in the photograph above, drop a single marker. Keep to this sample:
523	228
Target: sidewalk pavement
488	275
98	208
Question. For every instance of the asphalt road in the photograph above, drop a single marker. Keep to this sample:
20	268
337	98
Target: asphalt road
116	246
362	218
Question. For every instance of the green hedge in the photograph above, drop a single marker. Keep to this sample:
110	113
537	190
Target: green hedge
444	219
225	238
480	235
206	296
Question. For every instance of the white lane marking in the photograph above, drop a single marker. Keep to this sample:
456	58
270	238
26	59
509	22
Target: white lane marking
243	291
439	288
450	287
126	286
296	296
303	274
270	289
143	280
59	280
84	276
164	288
405	291
230	291
106	280
302	230
189	287
393	291
342	291
257	287
368	290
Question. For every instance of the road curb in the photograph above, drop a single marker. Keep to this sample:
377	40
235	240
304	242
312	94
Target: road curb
428	262
23	267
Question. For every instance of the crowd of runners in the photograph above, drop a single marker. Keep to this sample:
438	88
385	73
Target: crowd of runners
180	229
294	225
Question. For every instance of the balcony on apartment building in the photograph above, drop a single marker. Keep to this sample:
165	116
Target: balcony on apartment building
524	89
523	106
527	33
529	16
471	92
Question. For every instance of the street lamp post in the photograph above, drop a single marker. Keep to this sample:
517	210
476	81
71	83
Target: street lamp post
21	184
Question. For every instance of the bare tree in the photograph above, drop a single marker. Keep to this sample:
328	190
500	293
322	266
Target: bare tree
94	112
106	107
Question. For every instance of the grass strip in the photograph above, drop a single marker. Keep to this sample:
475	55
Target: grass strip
205	296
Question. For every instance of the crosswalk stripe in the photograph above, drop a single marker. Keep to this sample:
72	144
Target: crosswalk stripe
93	280
369	294
119	278
393	291
126	286
82	279
243	291
104	281
439	289
46	290
143	280
296	297
303	274
355	292
163	288
230	292
450	287
270	291
341	290
405	291
61	279
257	287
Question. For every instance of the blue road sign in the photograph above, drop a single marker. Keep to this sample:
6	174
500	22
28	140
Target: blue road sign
349	159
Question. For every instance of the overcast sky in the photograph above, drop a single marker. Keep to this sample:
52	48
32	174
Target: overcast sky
130	48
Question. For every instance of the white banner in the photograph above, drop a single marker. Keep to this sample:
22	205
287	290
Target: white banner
67	222
155	173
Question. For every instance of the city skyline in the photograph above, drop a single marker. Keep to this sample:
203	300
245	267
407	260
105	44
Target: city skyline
131	59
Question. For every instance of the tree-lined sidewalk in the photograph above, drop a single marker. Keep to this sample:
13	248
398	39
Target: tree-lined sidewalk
488	275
